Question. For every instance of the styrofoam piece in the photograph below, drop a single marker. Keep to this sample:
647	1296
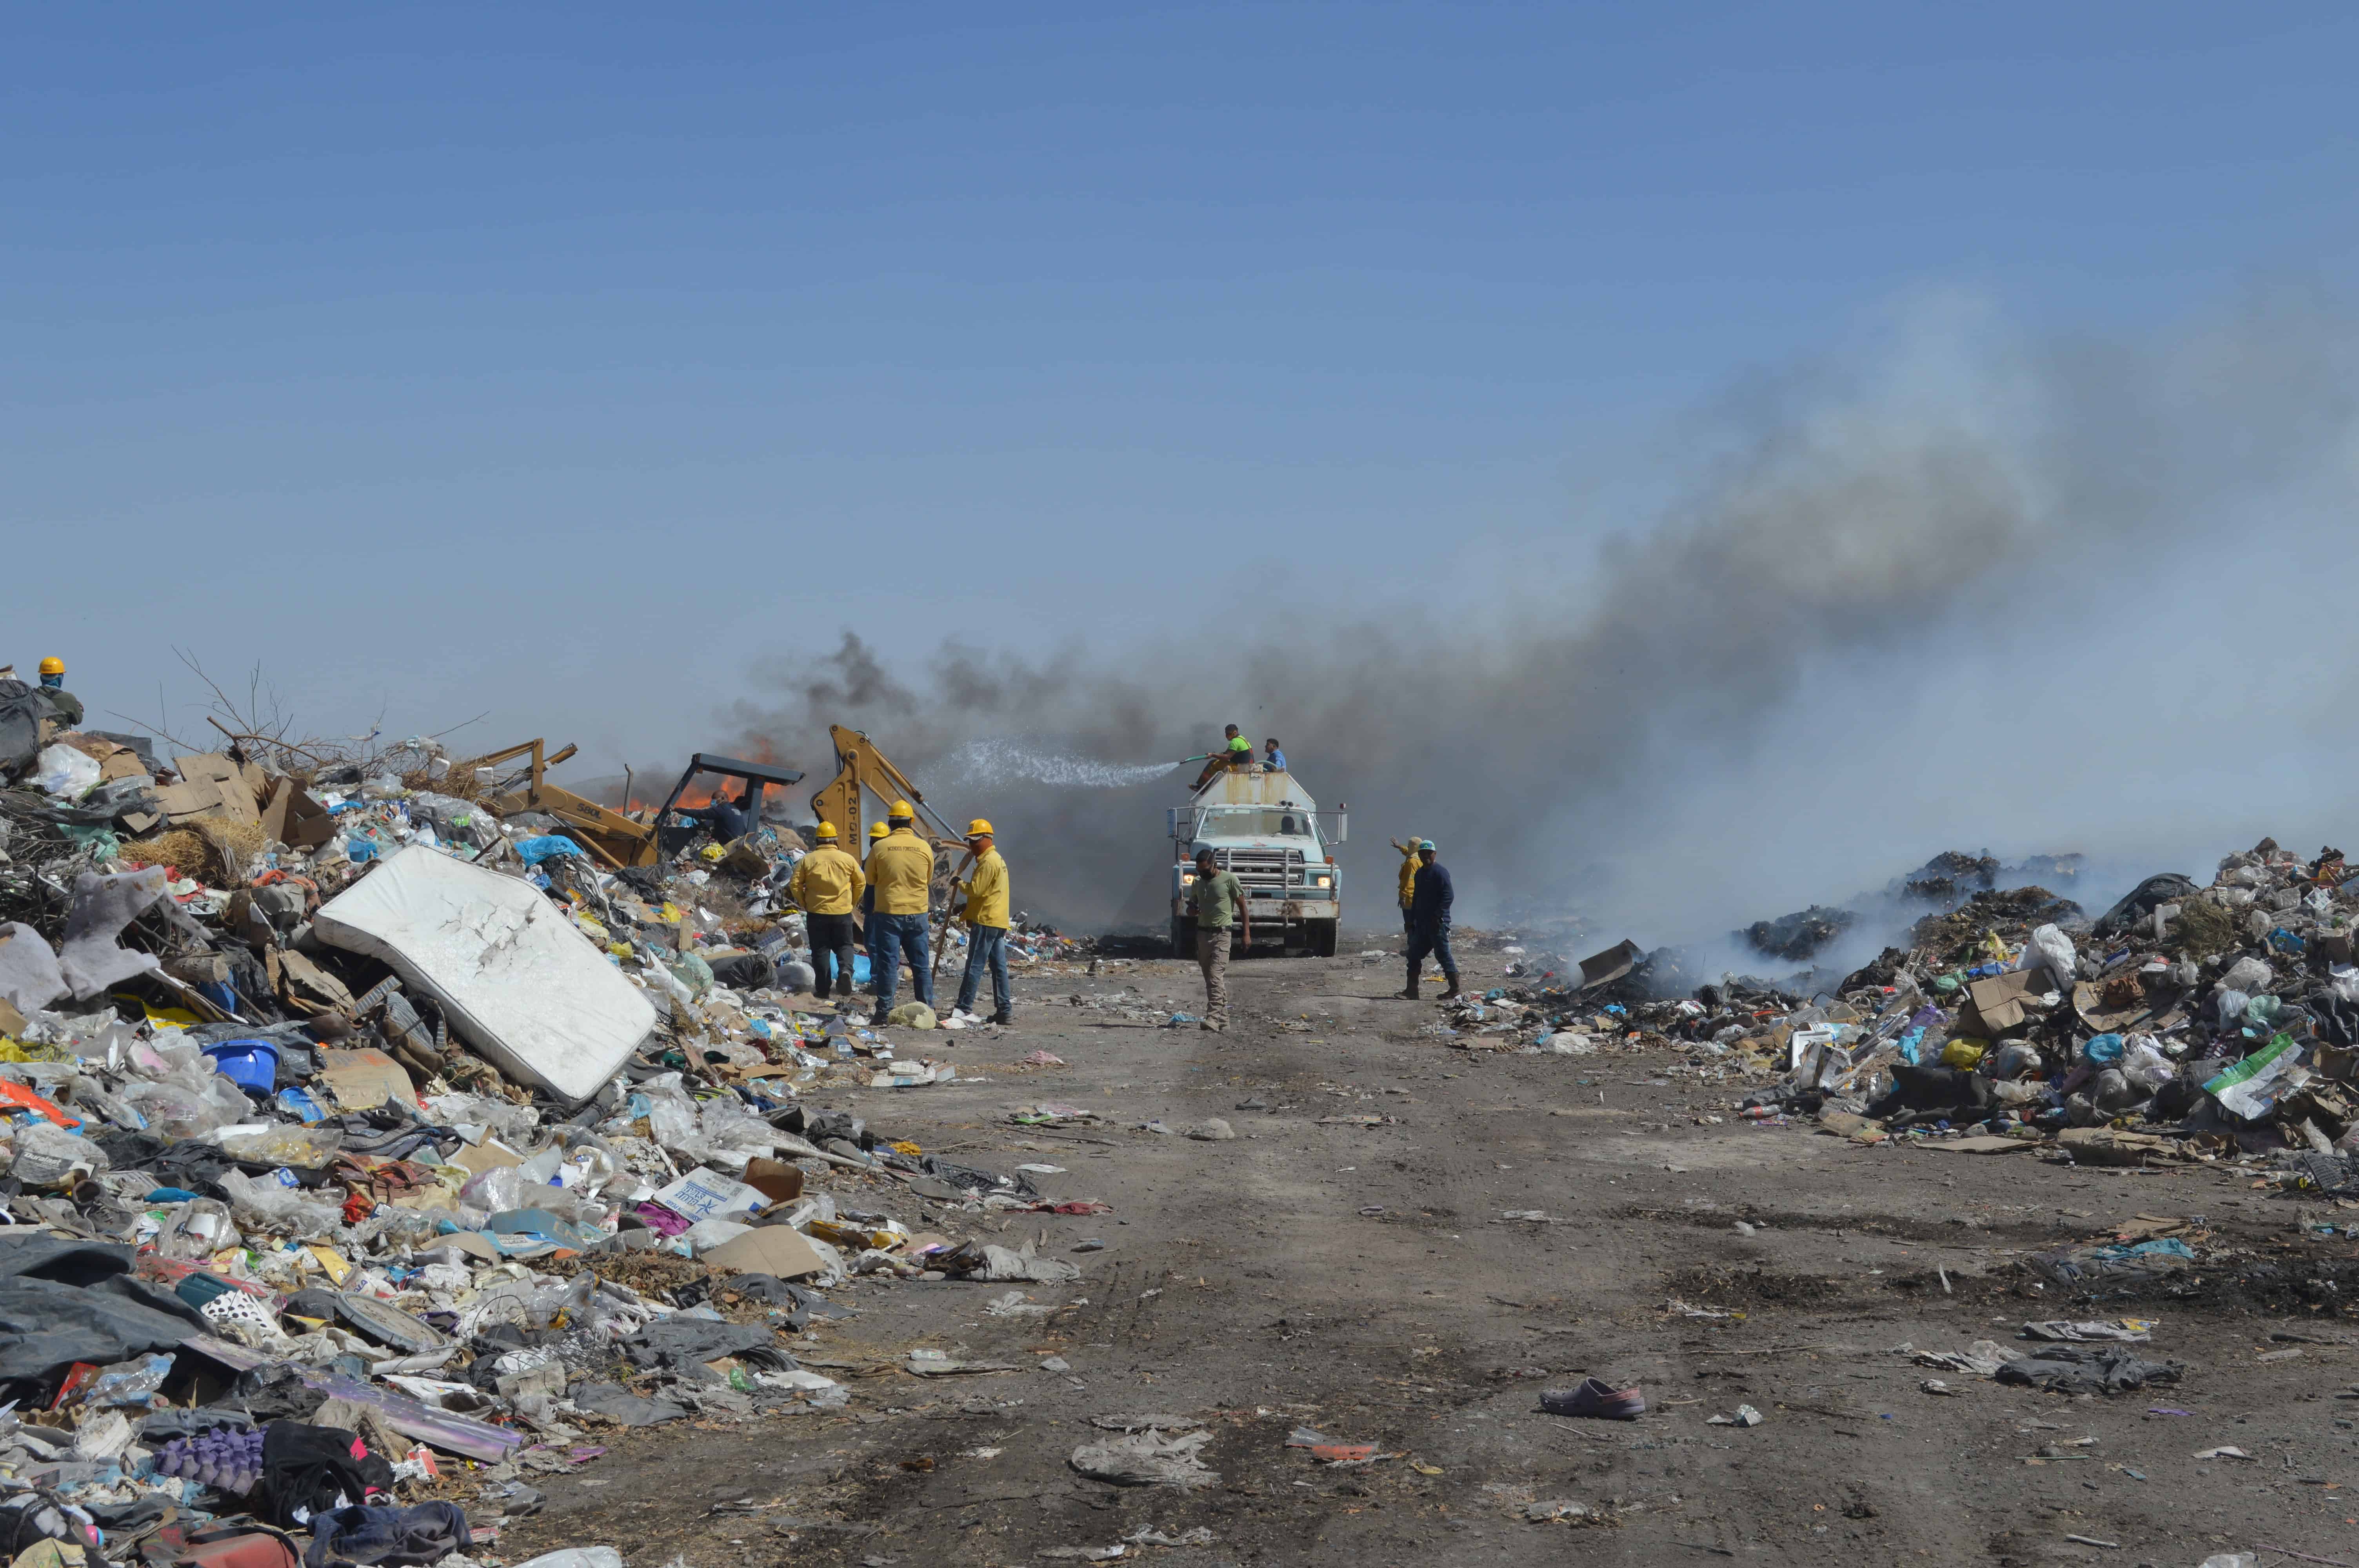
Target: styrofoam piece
518	982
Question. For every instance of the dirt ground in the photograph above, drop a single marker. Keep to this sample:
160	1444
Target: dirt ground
1346	1264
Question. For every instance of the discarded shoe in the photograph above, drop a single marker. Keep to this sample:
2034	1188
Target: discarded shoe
1592	1398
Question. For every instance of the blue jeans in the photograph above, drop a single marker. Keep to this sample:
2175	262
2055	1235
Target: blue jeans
895	934
987	944
1433	939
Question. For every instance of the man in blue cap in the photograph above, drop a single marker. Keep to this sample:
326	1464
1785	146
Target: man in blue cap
1429	921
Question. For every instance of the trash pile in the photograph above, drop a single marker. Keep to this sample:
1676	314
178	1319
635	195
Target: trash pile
369	1148
2187	1021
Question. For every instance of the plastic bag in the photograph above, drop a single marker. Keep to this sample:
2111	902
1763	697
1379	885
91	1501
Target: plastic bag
2049	948
197	1230
133	1382
64	772
494	1192
259	1203
2229	1006
2111	1091
512	1124
2103	1050
2248	975
2145	1065
1962	1052
307	1147
47	1155
727	1124
692	971
173	1111
2015	1059
2346	981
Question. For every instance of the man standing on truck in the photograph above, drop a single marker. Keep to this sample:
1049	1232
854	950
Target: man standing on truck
902	868
1219	902
1272	760
985	913
1407	882
1429	921
826	884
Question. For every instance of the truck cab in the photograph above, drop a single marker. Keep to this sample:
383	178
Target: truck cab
1263	826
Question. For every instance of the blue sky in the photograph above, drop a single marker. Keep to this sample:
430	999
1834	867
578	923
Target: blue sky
569	362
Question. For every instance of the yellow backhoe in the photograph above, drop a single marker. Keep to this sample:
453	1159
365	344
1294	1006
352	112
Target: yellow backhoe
615	840
863	772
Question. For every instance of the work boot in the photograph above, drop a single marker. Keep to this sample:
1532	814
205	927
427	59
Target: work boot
1004	1018
1452	991
876	1017
1410	994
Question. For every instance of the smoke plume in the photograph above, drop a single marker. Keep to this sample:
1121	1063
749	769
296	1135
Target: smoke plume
1956	585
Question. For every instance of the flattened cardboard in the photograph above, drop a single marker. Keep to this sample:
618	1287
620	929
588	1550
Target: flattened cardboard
213	785
778	1250
491	1155
360	1079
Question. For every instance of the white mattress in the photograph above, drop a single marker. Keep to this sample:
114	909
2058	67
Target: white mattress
517	980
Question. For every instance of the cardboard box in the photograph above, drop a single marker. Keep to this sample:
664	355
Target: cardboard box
705	1193
1996	1005
774	1179
293	818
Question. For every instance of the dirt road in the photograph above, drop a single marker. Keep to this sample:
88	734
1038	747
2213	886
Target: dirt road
1349	1262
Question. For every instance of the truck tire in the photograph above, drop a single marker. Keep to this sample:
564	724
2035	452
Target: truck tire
1183	937
1323	937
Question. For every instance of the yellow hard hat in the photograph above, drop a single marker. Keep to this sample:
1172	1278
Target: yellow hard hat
901	811
53	665
878	830
826	830
979	828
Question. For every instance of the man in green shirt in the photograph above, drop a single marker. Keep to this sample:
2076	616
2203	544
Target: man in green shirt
1235	751
1220	902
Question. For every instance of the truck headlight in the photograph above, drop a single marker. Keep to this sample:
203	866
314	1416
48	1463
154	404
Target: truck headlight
1326	881
1187	878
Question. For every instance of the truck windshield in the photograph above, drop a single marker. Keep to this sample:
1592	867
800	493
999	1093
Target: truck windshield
1257	822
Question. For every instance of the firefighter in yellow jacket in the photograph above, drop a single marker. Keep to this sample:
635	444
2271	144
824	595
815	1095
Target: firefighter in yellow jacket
826	886
1408	881
901	867
985	913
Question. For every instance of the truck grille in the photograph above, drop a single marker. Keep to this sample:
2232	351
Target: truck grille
1262	868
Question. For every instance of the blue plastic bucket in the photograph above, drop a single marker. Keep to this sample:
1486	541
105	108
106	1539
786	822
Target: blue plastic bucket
248	1064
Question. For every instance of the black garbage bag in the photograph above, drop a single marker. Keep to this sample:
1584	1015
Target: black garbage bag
2087	1370
306	1470
1951	1089
2140	901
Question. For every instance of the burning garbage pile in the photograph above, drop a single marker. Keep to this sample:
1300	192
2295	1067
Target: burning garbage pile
374	1140
2189	1019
